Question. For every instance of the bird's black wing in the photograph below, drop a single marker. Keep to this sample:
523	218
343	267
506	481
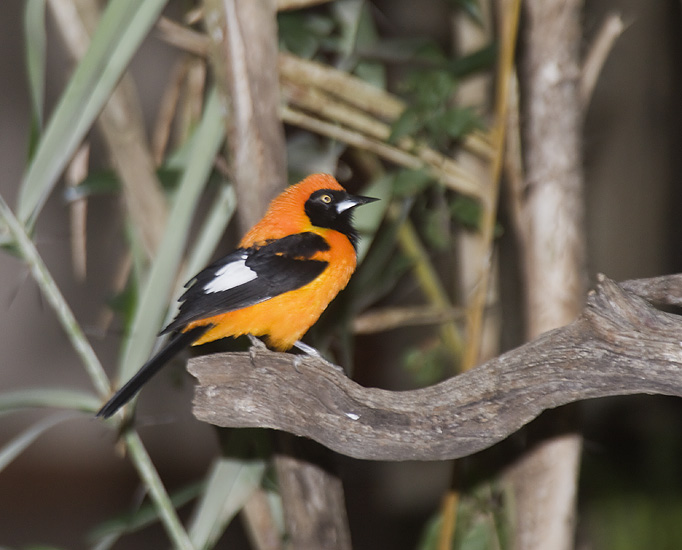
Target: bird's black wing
252	275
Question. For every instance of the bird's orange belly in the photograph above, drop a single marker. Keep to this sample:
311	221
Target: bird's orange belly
284	319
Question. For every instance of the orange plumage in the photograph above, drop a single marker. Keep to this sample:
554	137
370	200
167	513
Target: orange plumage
284	319
276	284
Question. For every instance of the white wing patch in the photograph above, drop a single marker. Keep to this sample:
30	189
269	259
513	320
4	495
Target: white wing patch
231	276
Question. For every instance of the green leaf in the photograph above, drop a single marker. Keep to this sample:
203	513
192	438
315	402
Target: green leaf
481	536
109	531
34	31
51	291
435	228
474	62
408	183
366	36
466	211
229	485
18	445
348	14
295	35
368	218
123	27
431	89
155	290
210	234
471	8
100	182
169	176
427	365
482	521
124	302
49	397
431	54
431	534
458	122
407	124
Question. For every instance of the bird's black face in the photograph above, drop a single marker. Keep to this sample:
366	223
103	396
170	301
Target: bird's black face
333	209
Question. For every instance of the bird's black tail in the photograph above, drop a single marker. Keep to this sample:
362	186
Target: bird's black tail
176	344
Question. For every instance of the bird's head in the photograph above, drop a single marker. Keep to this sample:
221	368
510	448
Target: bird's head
333	209
318	201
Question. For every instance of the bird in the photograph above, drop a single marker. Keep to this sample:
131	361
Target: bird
274	285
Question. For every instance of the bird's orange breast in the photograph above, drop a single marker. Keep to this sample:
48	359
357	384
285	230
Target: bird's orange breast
284	319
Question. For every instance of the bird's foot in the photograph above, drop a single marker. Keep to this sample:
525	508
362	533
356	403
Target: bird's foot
308	350
312	352
256	346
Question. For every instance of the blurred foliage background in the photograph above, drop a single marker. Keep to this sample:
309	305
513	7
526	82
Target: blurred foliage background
93	238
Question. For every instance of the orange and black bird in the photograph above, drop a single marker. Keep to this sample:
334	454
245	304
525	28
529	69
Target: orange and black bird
286	271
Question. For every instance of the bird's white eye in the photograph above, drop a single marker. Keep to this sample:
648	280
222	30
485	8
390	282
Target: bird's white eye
326	199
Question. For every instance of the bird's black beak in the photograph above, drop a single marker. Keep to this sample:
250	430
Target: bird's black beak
351	201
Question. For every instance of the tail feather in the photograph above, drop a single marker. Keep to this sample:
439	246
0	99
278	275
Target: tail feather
176	344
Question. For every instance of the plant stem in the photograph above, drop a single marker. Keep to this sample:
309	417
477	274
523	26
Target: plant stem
49	287
430	284
157	492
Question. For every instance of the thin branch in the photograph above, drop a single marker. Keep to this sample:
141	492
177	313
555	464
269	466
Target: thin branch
455	179
504	78
298	4
76	172
620	345
389	318
599	51
430	283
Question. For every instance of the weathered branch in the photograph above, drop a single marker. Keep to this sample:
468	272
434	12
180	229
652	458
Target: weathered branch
619	345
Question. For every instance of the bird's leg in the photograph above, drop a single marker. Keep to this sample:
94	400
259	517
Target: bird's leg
256	346
256	342
308	350
312	352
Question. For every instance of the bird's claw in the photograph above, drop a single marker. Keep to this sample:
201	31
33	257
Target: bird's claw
256	347
312	352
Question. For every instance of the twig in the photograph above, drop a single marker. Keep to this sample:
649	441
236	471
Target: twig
76	172
167	109
298	4
379	320
350	110
505	73
458	181
610	30
430	284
